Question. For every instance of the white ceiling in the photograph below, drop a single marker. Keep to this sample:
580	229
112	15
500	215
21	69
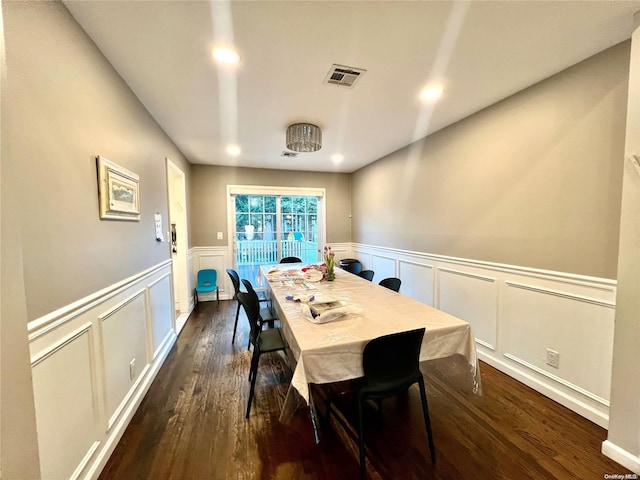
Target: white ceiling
481	52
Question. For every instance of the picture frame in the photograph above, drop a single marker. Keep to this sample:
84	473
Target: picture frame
118	191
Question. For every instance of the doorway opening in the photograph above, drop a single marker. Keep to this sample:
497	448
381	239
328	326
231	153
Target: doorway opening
270	223
177	195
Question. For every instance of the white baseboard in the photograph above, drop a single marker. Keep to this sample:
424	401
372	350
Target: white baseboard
100	460
92	364
548	389
621	456
516	314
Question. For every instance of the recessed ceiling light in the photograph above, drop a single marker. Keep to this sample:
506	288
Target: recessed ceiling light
234	150
226	55
337	158
431	93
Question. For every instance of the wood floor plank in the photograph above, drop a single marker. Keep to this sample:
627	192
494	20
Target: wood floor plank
191	424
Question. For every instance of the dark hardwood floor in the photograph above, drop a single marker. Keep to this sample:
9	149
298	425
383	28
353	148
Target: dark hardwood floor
191	425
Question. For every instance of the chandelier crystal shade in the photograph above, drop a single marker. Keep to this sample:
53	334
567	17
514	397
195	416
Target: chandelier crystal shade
304	137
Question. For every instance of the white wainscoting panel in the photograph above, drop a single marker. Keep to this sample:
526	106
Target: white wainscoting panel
123	341
364	257
67	420
84	387
384	266
418	280
516	313
191	276
160	317
575	326
341	251
217	258
473	298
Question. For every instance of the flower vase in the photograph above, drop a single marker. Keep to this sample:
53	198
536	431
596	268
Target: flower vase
331	276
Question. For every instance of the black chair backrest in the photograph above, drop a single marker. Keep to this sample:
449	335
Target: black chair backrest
249	287
291	260
392	362
251	307
391	283
235	279
367	274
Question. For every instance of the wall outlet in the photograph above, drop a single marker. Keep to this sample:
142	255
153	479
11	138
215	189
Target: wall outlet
132	369
220	236
553	358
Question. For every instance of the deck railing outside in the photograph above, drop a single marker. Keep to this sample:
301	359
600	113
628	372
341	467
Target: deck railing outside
250	254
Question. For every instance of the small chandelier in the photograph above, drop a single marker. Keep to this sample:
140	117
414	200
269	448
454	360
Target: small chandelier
304	137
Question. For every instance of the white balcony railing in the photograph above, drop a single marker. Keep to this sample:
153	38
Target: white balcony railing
259	252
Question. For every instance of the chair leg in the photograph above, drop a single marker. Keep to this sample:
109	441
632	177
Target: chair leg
195	299
363	461
254	365
427	421
235	325
253	382
218	297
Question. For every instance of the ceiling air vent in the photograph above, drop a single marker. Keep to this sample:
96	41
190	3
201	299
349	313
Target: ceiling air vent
288	154
342	76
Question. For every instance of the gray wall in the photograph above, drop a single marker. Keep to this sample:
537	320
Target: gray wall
65	104
209	198
534	180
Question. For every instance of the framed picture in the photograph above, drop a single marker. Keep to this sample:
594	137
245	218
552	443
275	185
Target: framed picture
119	191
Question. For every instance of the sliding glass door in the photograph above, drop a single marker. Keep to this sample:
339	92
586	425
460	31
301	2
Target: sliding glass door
268	227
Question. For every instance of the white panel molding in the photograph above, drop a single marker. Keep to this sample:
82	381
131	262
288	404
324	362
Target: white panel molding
431	281
558	379
467	274
119	306
50	334
481	306
191	286
549	388
621	456
592	293
384	265
54	347
65	388
556	293
153	323
364	258
571	278
118	429
85	461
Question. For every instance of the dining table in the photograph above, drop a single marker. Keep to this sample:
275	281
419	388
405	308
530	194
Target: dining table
324	352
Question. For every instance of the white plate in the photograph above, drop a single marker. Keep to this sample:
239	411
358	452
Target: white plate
313	276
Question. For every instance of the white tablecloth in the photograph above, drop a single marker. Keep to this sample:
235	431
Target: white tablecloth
332	351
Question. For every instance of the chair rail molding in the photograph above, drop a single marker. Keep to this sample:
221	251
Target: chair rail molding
518	314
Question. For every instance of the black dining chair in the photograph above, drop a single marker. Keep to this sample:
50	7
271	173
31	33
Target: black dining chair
263	341
391	365
235	280
266	315
391	283
291	260
367	274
